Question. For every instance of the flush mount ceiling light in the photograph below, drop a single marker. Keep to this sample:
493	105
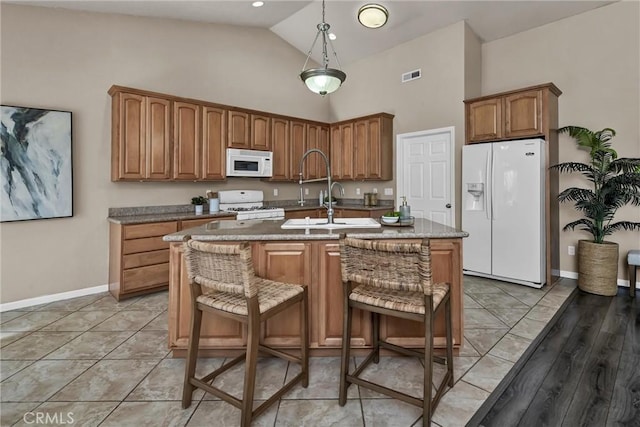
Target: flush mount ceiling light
373	15
323	80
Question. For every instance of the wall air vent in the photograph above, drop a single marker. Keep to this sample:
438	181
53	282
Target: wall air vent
412	75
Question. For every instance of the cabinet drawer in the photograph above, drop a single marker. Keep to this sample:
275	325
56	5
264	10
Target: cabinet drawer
149	230
143	245
145	258
145	277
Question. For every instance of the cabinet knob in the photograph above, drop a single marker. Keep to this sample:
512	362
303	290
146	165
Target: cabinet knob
448	205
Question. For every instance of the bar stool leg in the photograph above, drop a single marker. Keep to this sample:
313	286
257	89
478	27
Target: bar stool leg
192	350
447	315
428	369
346	344
632	280
253	338
376	336
304	338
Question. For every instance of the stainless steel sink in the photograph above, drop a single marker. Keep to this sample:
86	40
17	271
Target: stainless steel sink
338	223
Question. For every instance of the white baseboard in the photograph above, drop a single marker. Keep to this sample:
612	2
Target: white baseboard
574	275
52	298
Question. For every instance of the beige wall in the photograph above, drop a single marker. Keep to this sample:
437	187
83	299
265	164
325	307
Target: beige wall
52	58
594	58
433	101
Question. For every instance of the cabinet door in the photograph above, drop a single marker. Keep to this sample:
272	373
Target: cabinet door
523	114
239	136
214	137
330	298
379	149
318	138
297	148
342	151
260	132
280	145
217	331
360	149
158	135
141	138
484	120
288	263
187	141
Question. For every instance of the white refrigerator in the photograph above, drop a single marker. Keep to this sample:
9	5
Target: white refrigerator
503	211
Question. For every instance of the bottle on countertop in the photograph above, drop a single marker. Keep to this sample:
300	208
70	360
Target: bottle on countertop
405	209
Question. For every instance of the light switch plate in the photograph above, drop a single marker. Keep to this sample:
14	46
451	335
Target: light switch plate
388	191
357	191
275	191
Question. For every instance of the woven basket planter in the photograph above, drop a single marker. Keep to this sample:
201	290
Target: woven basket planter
598	267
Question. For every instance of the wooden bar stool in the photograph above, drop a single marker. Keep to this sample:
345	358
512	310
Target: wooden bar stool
394	279
223	282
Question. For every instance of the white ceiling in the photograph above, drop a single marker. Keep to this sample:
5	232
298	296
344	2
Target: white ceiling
295	21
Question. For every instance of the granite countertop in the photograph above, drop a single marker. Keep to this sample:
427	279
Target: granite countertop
258	229
146	214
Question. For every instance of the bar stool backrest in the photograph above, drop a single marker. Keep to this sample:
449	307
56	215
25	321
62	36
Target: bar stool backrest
390	265
223	268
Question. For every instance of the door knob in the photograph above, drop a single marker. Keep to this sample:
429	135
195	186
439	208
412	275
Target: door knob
448	205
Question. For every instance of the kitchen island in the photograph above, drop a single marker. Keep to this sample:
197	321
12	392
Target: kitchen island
310	257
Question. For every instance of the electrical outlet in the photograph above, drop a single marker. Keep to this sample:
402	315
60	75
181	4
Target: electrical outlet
571	250
306	191
388	191
275	191
357	191
375	191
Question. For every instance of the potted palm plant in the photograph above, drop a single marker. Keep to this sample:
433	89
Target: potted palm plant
614	183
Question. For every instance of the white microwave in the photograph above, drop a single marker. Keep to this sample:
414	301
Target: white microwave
249	163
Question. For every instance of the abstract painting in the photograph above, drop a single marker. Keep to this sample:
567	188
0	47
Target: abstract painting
35	164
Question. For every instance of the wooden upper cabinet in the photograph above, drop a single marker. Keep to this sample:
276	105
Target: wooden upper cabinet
342	151
484	120
214	137
260	132
318	138
187	139
523	113
362	149
297	148
141	138
239	130
280	146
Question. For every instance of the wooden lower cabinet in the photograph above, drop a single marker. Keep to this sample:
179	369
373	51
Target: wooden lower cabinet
315	264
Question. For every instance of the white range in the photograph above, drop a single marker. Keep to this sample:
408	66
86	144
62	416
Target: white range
249	204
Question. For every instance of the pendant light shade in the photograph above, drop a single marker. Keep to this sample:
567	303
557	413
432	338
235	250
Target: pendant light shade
373	15
323	80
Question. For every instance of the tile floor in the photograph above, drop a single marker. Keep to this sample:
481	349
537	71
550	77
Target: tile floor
93	361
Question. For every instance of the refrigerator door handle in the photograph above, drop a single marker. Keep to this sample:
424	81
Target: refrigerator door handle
493	161
487	196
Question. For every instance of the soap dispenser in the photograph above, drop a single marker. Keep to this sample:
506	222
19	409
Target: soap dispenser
405	210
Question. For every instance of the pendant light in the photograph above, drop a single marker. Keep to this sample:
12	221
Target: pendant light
323	80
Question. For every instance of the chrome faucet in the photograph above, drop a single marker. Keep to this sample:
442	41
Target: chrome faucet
329	205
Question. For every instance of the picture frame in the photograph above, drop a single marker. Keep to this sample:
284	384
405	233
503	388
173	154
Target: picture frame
36	164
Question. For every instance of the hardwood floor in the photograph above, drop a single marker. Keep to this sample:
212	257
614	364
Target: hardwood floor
584	372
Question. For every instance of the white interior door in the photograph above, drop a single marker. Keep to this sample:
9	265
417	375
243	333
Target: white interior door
424	165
